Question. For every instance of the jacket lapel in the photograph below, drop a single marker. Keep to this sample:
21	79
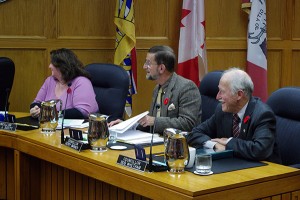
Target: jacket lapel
247	118
167	95
227	125
152	108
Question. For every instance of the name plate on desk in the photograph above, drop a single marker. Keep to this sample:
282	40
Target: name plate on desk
132	163
8	126
75	144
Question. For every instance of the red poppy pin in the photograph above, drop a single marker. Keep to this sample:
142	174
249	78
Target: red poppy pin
166	101
246	119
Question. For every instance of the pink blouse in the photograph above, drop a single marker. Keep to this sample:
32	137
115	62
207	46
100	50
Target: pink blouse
81	97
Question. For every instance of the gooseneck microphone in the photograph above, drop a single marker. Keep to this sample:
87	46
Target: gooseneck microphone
62	135
7	90
151	167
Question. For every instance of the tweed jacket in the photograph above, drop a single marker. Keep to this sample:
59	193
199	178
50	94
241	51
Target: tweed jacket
180	107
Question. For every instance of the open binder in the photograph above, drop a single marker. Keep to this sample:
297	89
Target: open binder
127	133
128	124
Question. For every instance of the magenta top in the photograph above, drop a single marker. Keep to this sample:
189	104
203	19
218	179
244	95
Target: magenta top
81	97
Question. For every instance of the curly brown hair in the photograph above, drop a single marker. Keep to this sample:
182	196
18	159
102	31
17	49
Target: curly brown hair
68	64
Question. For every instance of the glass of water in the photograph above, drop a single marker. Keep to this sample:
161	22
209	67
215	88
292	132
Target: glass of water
113	135
203	164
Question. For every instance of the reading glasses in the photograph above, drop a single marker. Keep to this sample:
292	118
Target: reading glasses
148	64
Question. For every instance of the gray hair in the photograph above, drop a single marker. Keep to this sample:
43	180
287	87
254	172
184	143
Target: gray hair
239	80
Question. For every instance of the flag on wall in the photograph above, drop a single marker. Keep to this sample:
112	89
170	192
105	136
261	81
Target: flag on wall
125	53
257	48
192	62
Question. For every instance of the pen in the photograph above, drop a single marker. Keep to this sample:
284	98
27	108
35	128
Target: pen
159	154
123	141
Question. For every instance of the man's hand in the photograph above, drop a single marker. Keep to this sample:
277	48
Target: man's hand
117	121
147	121
220	143
219	147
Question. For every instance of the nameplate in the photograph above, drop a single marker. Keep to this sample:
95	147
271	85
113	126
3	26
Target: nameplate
132	163
77	134
8	126
75	144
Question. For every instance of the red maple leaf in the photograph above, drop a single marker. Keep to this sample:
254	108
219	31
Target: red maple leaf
184	13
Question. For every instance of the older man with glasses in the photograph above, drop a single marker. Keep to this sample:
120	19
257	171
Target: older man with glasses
176	101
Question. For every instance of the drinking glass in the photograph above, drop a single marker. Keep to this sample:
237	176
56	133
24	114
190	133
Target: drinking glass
203	163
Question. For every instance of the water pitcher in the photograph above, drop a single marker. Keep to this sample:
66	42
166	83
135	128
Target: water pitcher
49	115
176	150
98	133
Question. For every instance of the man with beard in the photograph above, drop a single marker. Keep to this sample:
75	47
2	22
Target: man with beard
176	101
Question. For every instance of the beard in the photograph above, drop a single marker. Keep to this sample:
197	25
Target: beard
151	77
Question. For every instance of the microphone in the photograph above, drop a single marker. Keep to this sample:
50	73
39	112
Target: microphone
151	144
7	90
156	167
62	135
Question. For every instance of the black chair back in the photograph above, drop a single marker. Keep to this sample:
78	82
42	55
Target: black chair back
111	84
209	89
7	74
285	104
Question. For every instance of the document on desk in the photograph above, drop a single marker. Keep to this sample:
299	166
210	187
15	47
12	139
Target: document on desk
138	137
126	132
128	124
73	123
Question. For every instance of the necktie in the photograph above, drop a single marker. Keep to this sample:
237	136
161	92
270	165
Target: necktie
235	125
158	102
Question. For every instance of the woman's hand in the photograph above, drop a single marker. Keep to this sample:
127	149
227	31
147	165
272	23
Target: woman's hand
35	111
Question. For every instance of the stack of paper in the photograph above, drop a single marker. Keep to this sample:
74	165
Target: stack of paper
129	123
126	132
138	137
73	123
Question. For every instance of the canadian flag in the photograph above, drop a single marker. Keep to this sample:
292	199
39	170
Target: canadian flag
192	62
257	49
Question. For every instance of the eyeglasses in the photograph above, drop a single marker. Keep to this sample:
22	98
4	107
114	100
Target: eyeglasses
148	64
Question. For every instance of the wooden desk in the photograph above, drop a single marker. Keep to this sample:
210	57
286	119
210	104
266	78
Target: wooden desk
37	166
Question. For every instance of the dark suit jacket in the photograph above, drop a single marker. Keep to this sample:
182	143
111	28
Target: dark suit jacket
186	112
257	134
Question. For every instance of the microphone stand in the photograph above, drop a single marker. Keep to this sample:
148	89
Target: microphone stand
6	104
151	144
62	134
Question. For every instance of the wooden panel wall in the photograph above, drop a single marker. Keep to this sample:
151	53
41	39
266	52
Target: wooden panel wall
31	29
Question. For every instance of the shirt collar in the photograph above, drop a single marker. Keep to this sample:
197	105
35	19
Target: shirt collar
241	113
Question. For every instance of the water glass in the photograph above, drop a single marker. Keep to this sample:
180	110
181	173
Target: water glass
203	163
113	135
